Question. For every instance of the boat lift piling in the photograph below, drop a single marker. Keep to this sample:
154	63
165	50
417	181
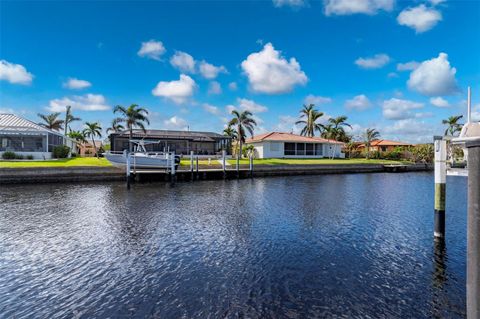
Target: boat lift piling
128	170
171	157
440	146
473	230
250	157
224	164
197	167
191	165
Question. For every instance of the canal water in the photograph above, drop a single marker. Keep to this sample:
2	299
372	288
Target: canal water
349	246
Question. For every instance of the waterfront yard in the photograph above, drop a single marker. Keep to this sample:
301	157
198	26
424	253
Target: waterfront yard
61	162
102	162
297	161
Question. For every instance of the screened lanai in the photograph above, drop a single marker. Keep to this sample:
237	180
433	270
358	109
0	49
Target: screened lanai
22	136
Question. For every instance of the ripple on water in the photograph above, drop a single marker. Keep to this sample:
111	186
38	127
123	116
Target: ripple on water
308	246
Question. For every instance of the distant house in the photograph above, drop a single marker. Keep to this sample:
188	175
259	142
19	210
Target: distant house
181	142
383	145
87	149
25	137
288	145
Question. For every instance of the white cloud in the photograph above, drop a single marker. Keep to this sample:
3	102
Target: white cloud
398	109
86	102
409	130
347	7
436	2
183	61
269	72
7	110
439	102
249	105
375	62
392	75
408	66
233	86
289	3
76	84
476	113
14	73
214	88
211	109
152	49
178	91
210	71
317	100
419	18
359	103
229	108
434	77
175	123
286	123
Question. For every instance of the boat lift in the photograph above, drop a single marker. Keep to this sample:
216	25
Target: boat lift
445	164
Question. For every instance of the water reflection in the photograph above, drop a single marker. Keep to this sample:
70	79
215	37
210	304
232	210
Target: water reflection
307	246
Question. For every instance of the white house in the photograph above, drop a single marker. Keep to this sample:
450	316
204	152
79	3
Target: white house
25	137
288	145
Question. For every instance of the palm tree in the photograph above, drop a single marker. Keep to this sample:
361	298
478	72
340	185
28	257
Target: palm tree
370	135
93	130
339	121
309	116
453	125
230	132
78	137
133	116
69	118
51	121
116	126
242	121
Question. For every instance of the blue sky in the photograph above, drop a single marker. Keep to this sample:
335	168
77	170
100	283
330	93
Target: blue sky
398	66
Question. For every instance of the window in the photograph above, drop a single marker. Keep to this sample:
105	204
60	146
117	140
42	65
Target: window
289	149
274	147
318	149
309	149
300	149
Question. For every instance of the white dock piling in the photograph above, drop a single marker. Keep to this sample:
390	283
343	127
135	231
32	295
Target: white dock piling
440	187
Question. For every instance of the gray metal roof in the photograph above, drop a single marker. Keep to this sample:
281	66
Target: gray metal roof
168	134
14	123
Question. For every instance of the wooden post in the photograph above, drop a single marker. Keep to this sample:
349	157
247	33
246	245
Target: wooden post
128	170
473	230
440	187
191	165
224	164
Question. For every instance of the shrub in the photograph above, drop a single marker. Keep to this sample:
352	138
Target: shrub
29	157
73	155
18	156
422	153
393	155
8	155
61	151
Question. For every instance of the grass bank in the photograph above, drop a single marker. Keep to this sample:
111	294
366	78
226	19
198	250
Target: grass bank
62	162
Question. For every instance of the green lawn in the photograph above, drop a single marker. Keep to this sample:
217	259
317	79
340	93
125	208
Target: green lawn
282	161
64	162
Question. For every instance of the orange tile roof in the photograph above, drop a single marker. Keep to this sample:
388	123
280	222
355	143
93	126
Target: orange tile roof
288	137
386	143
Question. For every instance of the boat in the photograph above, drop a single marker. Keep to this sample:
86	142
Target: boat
140	158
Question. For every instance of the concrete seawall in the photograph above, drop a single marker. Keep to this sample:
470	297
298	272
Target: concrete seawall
86	174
